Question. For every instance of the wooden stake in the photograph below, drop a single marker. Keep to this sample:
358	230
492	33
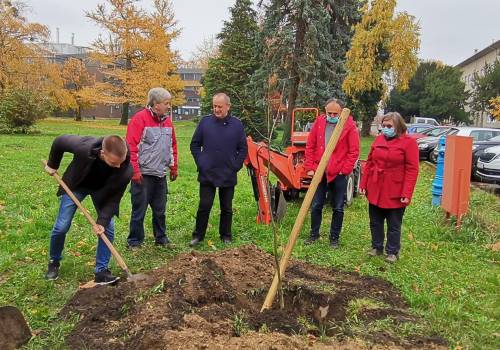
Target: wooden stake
299	221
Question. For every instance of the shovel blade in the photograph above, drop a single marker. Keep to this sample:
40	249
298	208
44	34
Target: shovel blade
279	204
14	331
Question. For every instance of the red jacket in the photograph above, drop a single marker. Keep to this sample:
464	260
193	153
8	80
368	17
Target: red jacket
391	171
344	156
152	143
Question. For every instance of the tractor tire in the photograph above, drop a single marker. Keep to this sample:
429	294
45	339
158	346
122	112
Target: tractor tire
349	193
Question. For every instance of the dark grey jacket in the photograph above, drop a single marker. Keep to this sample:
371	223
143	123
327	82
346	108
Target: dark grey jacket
85	150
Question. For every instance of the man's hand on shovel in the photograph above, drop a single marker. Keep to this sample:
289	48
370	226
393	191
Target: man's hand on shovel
49	170
98	229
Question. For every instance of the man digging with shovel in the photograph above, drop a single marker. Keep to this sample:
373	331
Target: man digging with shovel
100	168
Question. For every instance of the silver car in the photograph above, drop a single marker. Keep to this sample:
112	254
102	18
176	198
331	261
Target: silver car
488	164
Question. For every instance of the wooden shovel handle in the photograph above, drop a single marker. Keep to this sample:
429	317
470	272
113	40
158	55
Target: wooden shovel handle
306	203
91	220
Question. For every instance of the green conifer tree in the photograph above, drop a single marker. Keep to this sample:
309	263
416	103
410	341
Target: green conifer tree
231	70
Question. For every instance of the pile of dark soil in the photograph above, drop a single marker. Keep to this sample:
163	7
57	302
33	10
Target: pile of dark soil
213	301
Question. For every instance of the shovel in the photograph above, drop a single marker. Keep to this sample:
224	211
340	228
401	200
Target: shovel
14	331
116	255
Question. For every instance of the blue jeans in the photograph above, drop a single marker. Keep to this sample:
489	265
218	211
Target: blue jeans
152	192
67	210
336	190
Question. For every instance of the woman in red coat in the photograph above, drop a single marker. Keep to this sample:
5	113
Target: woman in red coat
388	181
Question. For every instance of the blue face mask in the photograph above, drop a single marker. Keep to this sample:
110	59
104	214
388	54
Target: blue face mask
333	120
388	132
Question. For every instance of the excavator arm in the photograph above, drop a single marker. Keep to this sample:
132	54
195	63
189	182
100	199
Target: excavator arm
288	169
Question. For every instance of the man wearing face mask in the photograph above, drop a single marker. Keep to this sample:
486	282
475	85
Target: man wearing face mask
153	154
340	165
389	178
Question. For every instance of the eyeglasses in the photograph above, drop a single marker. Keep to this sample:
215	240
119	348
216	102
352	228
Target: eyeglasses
333	114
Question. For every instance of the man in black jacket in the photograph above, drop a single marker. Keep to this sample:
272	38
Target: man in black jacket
100	168
219	147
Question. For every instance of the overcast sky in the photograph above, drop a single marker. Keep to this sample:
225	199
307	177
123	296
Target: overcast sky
450	29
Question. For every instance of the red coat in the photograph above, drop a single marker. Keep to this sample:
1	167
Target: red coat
344	156
391	171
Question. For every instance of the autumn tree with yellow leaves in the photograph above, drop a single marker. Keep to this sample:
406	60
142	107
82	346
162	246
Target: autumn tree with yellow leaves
495	108
135	53
27	75
383	54
80	84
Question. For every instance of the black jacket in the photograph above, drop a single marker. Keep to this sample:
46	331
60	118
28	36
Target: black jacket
219	147
85	150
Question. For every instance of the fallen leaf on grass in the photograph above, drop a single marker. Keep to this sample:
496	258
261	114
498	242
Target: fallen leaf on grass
495	246
415	288
434	247
2	207
410	236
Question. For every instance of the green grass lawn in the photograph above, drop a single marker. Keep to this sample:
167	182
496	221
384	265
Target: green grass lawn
450	278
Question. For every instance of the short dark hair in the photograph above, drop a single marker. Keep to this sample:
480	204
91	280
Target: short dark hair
116	145
399	123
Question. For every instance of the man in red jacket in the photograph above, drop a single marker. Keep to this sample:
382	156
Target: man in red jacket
153	154
340	165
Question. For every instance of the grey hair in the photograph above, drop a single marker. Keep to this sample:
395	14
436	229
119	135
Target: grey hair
158	95
335	100
226	97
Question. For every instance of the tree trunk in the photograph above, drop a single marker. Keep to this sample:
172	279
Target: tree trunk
124	118
295	79
366	126
78	116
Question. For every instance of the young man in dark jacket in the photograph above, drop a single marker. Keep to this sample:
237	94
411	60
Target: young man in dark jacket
100	168
219	147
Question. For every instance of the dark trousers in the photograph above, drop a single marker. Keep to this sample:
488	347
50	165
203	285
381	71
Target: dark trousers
152	192
207	195
394	219
336	190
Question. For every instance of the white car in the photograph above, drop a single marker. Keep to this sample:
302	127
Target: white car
488	164
477	134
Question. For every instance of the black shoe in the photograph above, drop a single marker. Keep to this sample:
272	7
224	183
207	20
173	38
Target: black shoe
311	240
194	242
165	245
52	271
374	252
334	244
227	240
105	277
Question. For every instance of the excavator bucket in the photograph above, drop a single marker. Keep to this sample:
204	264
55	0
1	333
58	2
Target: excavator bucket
278	203
14	331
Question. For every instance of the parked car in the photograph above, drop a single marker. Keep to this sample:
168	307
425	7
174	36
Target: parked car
477	134
425	120
478	148
427	145
432	131
488	165
417	128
